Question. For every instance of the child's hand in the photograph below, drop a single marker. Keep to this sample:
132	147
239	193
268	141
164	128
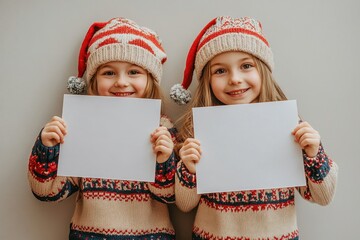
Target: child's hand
162	144
308	138
190	153
53	132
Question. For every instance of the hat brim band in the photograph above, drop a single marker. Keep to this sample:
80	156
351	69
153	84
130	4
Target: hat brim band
126	53
233	42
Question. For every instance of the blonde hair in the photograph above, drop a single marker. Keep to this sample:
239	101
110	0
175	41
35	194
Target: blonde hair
203	97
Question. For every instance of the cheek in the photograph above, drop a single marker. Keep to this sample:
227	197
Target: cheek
100	91
217	86
141	84
103	86
255	80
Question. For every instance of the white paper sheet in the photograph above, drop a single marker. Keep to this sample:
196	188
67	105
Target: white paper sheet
248	147
109	137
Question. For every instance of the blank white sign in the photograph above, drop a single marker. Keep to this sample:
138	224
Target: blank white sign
248	147
109	137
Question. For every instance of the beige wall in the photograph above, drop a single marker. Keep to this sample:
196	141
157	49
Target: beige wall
316	47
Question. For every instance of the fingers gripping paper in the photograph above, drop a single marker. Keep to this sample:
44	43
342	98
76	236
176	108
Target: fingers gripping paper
248	147
109	137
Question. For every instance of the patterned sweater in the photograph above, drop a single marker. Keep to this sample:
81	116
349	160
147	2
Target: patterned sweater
108	209
258	214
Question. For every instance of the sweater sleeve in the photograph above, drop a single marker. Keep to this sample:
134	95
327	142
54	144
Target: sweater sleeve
42	174
321	178
185	188
163	189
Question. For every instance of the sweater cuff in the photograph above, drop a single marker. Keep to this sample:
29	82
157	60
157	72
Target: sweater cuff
44	153
186	178
43	160
317	168
165	172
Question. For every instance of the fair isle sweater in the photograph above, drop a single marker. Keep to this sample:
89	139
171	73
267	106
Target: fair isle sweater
108	209
258	214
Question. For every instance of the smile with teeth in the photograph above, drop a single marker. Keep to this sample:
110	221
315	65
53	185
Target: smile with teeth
122	94
237	92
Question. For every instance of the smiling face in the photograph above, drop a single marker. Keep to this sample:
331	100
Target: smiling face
121	79
234	78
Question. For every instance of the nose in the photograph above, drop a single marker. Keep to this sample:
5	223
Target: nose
121	81
235	77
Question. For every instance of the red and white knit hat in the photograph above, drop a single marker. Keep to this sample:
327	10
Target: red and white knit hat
222	34
119	39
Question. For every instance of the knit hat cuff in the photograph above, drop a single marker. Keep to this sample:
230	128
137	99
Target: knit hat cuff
126	53
233	42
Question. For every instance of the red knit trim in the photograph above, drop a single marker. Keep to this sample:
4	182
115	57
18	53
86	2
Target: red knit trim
127	30
113	231
246	207
142	44
108	41
43	169
83	56
207	235
232	30
42	180
190	59
112	196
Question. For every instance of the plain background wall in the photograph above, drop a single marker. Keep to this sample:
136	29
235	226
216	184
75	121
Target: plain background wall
316	48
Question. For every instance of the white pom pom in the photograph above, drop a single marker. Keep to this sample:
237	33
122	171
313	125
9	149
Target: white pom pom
76	85
179	94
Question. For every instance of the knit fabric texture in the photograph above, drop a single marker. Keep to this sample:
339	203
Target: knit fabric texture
233	34
222	34
121	39
108	209
267	214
